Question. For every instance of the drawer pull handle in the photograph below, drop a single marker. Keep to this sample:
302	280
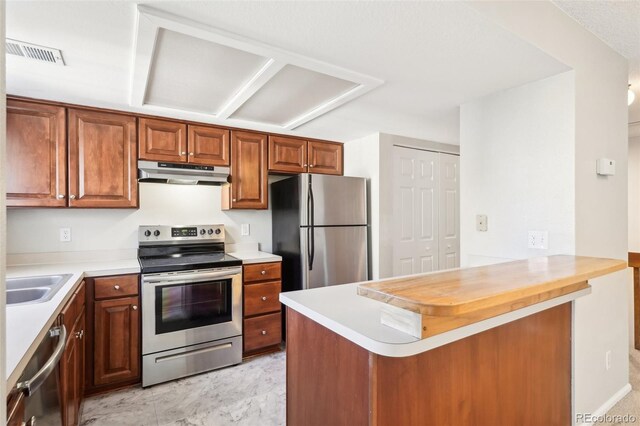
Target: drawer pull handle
264	332
134	307
117	287
263	272
264	298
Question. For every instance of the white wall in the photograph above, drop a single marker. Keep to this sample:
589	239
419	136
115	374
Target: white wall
32	230
372	157
601	319
516	167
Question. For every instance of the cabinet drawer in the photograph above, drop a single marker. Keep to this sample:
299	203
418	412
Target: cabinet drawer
74	308
261	332
262	272
261	298
117	286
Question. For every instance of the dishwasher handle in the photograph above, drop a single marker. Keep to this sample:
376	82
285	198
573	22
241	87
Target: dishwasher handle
28	387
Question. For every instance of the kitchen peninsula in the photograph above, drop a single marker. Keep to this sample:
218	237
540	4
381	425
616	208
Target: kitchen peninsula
490	345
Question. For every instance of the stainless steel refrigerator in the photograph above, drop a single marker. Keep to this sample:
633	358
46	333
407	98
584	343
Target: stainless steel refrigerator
320	230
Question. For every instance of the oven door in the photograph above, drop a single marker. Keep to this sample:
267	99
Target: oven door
187	308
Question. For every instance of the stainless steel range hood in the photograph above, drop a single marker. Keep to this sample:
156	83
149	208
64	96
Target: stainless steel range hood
182	174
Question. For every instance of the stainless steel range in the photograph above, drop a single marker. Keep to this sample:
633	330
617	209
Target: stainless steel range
191	302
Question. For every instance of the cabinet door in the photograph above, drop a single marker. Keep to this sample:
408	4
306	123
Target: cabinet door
70	376
208	145
325	158
248	170
15	409
36	155
102	159
162	140
116	340
287	155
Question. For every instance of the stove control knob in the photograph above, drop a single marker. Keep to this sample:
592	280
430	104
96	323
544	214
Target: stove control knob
147	233
210	231
202	231
156	233
218	231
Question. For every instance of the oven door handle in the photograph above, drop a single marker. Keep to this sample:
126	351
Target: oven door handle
188	278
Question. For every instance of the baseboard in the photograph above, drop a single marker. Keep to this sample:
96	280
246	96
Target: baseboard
615	398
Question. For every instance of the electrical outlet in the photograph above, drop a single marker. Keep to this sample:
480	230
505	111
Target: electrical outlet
65	234
481	223
607	360
538	240
244	229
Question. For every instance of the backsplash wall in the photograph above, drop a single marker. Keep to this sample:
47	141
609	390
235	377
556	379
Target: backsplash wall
34	230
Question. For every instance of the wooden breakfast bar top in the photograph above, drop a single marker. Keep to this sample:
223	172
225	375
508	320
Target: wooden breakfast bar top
489	345
462	291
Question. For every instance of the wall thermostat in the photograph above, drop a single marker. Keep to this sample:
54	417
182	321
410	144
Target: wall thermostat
606	167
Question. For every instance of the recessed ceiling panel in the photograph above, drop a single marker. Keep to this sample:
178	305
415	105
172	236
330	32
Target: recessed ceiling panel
197	75
291	93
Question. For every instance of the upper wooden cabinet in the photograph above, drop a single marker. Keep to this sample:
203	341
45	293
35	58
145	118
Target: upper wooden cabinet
102	159
287	155
208	145
325	157
162	140
248	188
294	155
175	142
36	155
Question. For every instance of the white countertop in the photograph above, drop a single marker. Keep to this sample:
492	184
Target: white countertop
249	257
357	318
27	323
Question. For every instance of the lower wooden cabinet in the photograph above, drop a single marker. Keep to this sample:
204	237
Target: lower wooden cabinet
262	325
114	349
72	362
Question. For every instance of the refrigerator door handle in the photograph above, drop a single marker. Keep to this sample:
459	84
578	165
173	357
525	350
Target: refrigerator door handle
312	241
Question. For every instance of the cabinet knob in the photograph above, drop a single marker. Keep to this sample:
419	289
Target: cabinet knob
60	196
78	335
310	165
263	272
264	298
117	287
234	200
264	332
72	196
183	153
134	307
191	154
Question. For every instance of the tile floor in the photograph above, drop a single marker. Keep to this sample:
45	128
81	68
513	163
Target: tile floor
252	393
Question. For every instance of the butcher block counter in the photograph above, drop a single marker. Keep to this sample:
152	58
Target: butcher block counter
490	345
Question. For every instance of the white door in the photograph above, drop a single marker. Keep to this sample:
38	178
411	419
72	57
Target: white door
415	207
449	217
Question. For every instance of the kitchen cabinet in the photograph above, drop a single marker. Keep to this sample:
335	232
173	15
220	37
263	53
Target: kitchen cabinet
176	142
262	328
162	140
248	187
208	145
37	155
295	155
325	157
72	362
287	155
102	159
113	348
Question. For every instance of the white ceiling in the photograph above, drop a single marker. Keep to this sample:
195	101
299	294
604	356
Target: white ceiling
432	56
617	23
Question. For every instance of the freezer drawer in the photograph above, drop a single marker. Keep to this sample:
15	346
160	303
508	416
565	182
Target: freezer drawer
333	255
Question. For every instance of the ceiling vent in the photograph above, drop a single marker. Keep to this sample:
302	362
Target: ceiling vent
33	51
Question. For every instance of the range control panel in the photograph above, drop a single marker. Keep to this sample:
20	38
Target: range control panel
154	234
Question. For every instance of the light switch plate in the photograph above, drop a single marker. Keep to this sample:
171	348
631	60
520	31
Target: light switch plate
244	229
481	223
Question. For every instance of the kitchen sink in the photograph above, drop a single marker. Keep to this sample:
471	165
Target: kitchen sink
27	290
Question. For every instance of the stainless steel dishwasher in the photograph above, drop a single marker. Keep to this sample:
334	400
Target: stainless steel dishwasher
39	383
